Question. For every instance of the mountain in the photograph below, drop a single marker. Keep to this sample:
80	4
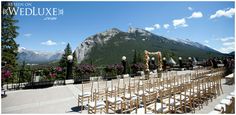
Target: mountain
232	53
108	47
196	44
36	57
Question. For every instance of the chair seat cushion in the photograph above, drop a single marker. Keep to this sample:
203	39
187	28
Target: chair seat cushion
158	107
225	101
229	97
214	112
150	90
141	111
177	97
85	94
128	96
111	89
166	101
187	93
113	100
232	94
219	107
99	104
141	92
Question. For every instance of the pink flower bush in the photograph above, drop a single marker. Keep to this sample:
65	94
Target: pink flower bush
58	69
53	75
6	74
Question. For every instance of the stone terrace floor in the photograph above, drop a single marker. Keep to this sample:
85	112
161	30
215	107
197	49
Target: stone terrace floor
63	99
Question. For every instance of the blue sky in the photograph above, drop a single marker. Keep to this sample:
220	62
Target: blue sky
209	23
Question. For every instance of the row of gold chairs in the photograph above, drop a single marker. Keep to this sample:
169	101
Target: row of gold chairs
169	94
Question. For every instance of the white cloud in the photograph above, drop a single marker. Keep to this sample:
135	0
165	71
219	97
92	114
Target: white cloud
28	35
226	39
227	13
157	26
196	15
226	49
190	8
228	43
49	43
206	41
149	28
166	26
63	43
179	23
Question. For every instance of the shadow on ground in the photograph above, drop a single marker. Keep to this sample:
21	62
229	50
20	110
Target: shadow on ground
75	109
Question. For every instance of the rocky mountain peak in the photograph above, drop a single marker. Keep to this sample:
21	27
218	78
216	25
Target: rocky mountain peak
139	30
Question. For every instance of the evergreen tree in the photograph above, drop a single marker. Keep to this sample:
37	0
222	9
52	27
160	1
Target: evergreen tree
67	51
75	61
9	33
135	57
140	57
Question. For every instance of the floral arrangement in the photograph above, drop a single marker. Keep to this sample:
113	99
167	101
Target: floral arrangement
114	69
119	68
52	73
85	69
6	74
137	67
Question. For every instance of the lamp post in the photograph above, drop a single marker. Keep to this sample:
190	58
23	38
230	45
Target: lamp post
164	63
153	63
124	64
180	62
190	62
69	66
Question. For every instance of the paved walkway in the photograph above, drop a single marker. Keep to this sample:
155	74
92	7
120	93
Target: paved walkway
59	99
63	99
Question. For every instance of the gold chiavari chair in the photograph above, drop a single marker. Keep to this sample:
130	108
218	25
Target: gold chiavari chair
228	105
83	96
189	94
232	97
148	101
111	89
179	98
203	90
220	108
113	102
169	99
129	99
195	97
96	104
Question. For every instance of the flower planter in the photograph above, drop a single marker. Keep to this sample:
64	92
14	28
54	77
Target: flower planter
81	79
109	77
40	84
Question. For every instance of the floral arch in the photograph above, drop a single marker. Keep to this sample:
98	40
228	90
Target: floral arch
146	57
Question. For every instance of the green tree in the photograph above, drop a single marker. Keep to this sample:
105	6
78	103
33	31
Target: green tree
9	34
75	61
135	57
63	60
140	57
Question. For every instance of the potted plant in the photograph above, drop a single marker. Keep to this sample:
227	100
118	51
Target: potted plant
137	67
110	71
84	71
119	70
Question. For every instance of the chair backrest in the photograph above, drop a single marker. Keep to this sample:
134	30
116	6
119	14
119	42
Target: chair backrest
149	99
161	100
131	86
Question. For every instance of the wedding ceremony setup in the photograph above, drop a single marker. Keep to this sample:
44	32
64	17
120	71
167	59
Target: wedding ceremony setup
117	57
